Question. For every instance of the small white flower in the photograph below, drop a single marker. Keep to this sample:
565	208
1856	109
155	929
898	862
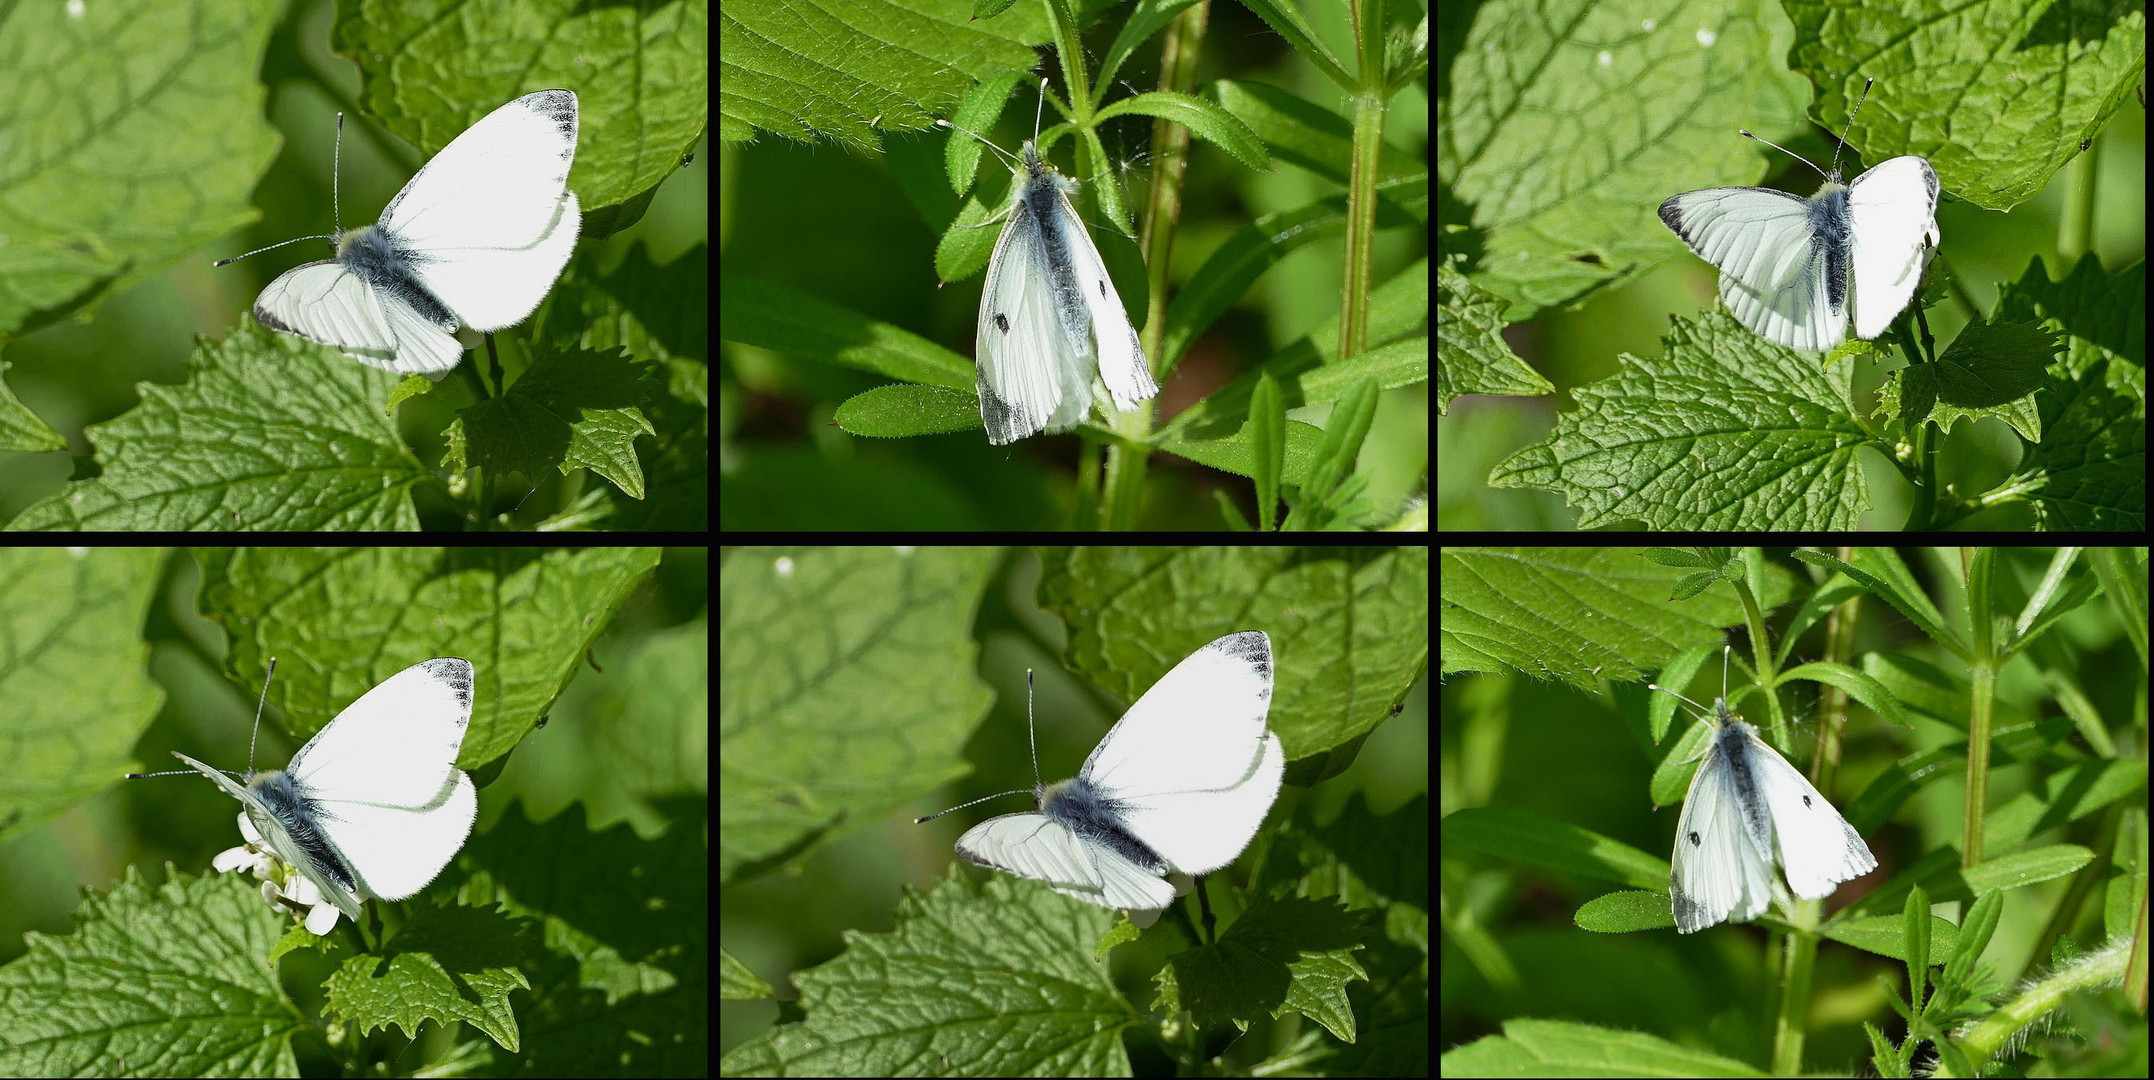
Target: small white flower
282	885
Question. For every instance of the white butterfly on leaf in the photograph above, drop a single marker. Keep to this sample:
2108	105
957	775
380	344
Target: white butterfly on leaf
1747	811
477	237
1178	786
1052	336
372	806
1799	271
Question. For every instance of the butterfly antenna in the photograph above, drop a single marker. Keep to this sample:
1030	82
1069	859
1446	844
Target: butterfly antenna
1745	133
1035	762
336	213
1701	715
1032	729
984	141
1834	175
336	179
1703	712
257	736
250	744
1850	124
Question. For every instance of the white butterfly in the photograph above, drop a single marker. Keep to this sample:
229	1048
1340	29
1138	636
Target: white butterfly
373	805
477	237
1799	271
1052	330
1746	811
1179	785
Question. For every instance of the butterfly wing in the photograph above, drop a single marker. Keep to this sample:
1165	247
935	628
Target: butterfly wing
395	850
490	220
398	742
1191	768
1034	369
1033	845
1122	368
1718	870
382	780
1816	847
1894	211
1777	273
327	302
